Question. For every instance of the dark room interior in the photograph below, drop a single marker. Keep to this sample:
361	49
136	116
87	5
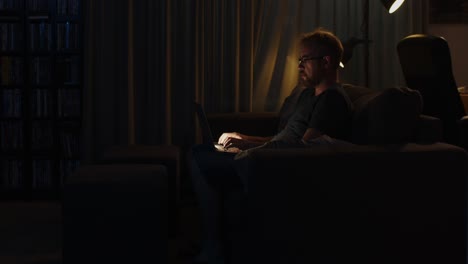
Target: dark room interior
99	132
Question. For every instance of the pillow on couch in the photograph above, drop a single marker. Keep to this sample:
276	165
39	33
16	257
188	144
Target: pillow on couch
387	116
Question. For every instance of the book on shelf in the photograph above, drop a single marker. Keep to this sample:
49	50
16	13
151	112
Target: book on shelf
11	37
11	135
68	7
41	136
40	70
38	5
69	102
9	5
69	143
41	102
11	70
11	174
11	103
40	36
67	36
42	174
67	167
68	72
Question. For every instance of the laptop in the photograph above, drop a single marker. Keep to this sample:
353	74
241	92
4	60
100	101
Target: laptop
207	136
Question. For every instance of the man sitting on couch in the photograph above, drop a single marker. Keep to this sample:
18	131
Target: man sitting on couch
328	113
324	110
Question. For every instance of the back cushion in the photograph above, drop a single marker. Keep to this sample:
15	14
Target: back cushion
386	116
355	92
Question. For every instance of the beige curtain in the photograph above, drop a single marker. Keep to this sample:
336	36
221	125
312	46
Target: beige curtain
105	91
245	54
231	55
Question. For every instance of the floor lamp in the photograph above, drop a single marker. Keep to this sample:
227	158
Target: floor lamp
391	6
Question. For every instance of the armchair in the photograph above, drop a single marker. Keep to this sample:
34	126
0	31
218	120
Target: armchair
427	67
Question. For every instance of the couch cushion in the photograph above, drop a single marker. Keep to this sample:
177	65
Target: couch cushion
386	116
355	92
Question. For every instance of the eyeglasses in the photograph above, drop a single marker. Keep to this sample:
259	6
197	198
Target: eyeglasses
306	58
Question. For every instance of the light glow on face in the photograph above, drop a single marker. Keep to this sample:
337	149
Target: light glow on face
395	6
341	64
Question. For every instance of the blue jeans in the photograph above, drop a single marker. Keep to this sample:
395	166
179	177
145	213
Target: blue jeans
214	179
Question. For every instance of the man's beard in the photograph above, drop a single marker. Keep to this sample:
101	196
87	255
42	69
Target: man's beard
309	82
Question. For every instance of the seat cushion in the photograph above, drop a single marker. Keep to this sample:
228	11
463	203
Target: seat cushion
386	116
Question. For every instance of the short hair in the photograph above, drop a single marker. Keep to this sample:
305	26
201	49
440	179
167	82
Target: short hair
326	43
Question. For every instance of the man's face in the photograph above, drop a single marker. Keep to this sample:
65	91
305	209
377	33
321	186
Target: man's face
310	66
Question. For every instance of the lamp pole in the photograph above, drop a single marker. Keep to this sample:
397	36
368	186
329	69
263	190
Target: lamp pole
365	31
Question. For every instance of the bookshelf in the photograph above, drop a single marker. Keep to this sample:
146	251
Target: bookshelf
40	94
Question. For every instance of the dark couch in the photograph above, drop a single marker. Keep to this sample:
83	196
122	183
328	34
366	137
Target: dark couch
391	115
397	196
364	204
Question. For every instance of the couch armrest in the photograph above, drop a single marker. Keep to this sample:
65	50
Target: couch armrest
429	130
463	127
116	213
255	124
170	156
406	202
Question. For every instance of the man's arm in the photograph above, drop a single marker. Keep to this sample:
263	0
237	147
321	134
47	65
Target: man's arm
311	133
241	141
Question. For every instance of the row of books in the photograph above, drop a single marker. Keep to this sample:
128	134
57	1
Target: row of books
11	4
38	5
40	36
68	7
41	138
70	144
11	174
64	7
68	70
11	37
11	70
42	174
40	70
41	135
11	135
67	36
41	102
68	103
11	103
66	168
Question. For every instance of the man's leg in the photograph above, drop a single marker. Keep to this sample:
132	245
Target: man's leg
209	205
212	173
